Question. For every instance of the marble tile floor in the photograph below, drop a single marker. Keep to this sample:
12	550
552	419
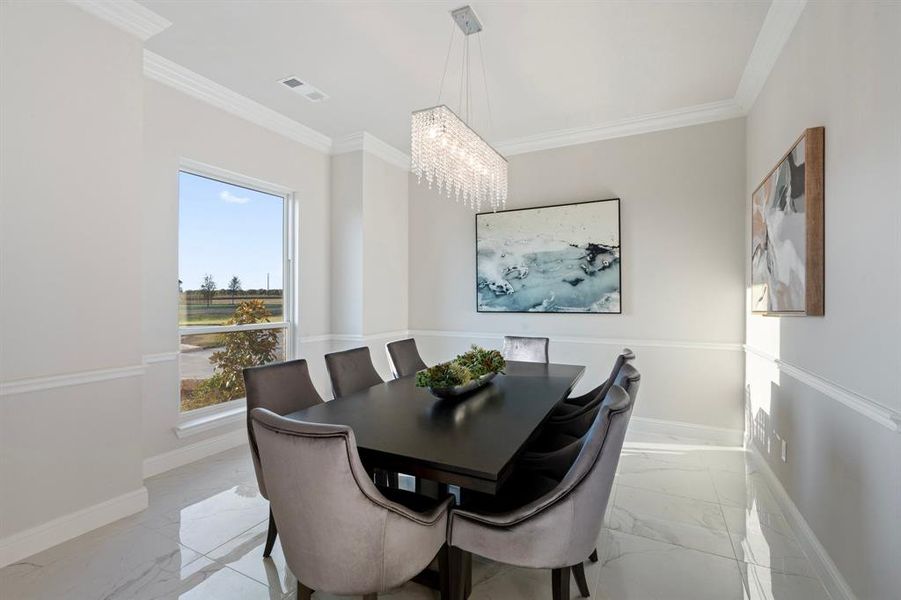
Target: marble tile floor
686	520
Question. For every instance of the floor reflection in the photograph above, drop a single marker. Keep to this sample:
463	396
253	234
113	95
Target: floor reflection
686	520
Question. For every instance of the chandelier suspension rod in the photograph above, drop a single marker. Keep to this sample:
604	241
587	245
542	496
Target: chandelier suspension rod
464	99
485	83
445	150
462	81
446	61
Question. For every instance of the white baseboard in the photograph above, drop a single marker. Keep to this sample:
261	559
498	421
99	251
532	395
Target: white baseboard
829	574
716	435
193	452
20	545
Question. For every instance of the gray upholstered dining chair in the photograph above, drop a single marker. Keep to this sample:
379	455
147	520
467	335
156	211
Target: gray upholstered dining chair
340	533
404	358
282	388
559	529
625	356
554	457
351	371
526	349
569	422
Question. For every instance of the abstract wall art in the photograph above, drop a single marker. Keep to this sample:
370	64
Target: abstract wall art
787	233
550	259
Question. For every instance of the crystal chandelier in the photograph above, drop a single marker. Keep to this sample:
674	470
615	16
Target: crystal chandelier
447	152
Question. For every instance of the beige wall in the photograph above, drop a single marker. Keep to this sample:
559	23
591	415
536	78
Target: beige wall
385	239
347	243
179	127
70	262
682	266
369	245
840	69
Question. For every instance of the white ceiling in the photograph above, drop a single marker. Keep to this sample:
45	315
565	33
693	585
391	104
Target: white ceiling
550	65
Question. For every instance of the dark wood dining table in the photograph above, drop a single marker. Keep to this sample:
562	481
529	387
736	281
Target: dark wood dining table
471	442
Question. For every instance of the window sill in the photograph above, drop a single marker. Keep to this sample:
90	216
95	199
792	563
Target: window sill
208	419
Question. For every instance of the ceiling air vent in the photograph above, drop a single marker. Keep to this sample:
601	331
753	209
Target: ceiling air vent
303	88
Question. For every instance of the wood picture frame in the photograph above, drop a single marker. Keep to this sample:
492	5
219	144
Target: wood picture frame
788	232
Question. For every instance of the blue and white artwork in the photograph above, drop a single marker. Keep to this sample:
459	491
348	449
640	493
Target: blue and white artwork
550	259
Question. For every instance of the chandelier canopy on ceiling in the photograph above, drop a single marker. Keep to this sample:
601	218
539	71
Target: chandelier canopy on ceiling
445	149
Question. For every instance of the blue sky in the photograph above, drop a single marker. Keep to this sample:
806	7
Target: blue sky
226	230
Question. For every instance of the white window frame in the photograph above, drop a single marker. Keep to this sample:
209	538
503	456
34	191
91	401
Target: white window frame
203	419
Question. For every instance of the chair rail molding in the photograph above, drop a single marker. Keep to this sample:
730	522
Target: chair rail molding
160	357
315	339
638	343
863	405
127	15
34	384
370	337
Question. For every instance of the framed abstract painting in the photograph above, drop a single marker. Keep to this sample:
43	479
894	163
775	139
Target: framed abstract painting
550	259
787	231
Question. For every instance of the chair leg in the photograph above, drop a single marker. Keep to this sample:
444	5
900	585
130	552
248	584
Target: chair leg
560	583
303	592
579	576
594	555
444	574
270	537
456	559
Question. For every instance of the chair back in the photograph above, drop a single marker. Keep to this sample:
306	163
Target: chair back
578	421
281	388
591	476
339	534
526	349
351	371
404	358
559	529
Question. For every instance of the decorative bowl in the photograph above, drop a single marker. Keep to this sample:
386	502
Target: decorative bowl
461	390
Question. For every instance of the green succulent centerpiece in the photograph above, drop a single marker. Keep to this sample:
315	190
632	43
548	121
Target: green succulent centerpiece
467	372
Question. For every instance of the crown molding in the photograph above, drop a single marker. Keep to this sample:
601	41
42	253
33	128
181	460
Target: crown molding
777	27
670	119
174	75
127	15
778	24
365	141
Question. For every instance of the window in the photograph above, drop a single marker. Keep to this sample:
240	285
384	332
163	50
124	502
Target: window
234	285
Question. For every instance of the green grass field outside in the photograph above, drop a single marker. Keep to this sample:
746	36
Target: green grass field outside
194	310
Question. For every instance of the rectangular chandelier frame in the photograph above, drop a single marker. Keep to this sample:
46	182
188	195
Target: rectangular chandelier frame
449	154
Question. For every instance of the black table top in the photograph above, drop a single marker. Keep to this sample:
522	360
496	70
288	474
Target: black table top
469	442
